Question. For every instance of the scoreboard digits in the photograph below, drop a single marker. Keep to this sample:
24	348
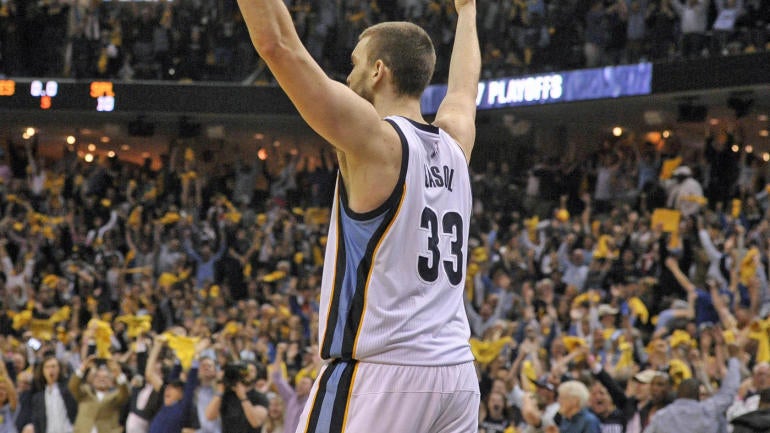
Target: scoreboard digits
105	96
45	93
105	103
36	88
71	95
7	87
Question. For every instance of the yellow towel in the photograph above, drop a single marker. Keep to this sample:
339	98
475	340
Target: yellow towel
183	347
637	306
486	351
103	337
137	325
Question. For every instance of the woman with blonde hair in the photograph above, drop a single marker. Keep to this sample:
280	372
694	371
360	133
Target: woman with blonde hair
275	413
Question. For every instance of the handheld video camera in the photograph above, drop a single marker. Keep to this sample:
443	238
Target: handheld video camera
235	372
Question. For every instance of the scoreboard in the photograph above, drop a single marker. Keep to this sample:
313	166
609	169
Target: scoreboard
129	97
49	94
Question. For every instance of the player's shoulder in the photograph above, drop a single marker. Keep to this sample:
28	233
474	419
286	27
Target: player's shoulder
382	143
460	128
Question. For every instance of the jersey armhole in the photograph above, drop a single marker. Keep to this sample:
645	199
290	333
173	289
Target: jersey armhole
398	189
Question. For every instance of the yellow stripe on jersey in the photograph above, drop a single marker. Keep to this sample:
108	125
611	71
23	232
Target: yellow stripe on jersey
350	394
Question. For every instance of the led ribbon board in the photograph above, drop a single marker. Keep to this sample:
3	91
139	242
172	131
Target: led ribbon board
549	88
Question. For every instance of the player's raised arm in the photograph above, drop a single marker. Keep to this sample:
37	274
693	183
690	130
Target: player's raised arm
329	107
457	113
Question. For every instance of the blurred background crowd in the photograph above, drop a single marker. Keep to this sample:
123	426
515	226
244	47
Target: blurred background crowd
207	40
185	298
626	289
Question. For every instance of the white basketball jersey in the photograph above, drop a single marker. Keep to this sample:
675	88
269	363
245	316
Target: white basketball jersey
394	277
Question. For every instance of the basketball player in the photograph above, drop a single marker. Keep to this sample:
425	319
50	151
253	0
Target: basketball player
393	330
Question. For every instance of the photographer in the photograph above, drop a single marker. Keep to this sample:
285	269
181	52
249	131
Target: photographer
242	409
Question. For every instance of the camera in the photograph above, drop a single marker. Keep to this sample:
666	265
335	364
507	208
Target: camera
235	372
34	344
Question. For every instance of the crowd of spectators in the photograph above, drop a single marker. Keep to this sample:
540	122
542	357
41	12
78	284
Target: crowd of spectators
623	291
159	301
207	40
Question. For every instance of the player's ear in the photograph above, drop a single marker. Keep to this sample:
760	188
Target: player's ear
379	70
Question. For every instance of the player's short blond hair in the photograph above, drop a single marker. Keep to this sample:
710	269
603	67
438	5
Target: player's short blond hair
407	50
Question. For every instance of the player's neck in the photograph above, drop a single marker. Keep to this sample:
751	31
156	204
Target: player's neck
408	107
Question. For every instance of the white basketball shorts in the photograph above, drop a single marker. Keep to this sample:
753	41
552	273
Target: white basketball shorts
361	397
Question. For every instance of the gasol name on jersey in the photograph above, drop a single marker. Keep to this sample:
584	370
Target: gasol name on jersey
439	177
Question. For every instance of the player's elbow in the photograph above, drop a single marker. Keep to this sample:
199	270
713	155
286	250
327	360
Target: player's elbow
271	49
266	48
